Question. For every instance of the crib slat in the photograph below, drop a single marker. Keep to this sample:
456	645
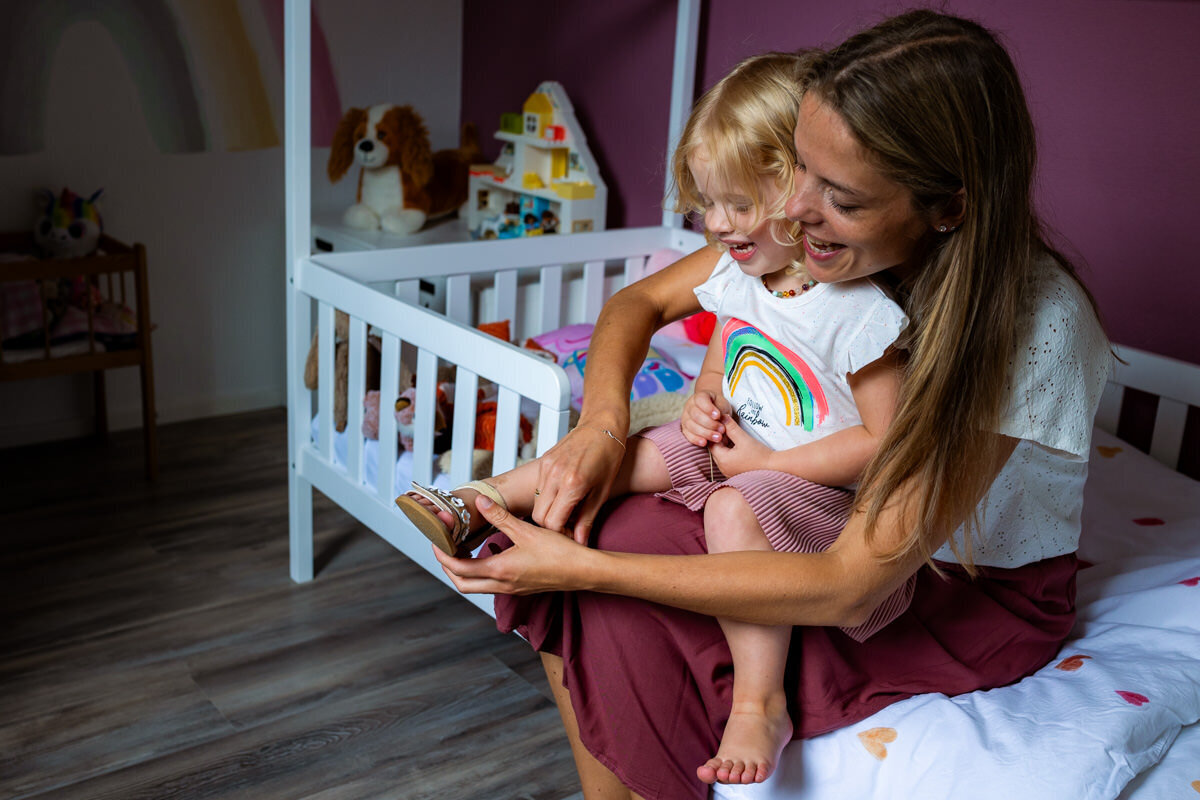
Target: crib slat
508	429
356	390
506	297
1109	413
466	386
593	290
458	298
550	313
635	268
325	344
1168	431
423	418
389	380
552	426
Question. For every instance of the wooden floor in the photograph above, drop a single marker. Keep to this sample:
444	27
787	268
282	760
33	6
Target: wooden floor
152	644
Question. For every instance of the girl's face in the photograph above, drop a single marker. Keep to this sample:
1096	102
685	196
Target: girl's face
731	216
854	220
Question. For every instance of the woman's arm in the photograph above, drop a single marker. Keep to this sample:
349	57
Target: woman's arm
840	586
835	460
575	475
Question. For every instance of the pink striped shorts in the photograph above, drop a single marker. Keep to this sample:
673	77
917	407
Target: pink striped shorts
797	516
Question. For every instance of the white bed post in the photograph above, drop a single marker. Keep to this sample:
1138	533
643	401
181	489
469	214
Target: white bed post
683	87
298	213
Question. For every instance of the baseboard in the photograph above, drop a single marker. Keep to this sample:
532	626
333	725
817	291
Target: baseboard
130	417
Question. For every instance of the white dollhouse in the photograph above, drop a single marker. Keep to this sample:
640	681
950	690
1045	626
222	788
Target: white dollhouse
545	180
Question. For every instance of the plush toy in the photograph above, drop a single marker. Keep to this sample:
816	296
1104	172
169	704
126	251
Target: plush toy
402	182
68	226
341	367
405	412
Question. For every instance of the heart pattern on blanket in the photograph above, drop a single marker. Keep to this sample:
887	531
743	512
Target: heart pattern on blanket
1108	452
1191	581
876	740
1071	663
1196	785
1133	698
1145	521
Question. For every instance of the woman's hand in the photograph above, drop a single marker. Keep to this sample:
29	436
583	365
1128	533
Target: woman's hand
574	479
702	416
739	452
540	560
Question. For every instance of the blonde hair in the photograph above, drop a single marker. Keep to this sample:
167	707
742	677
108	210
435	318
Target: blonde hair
938	106
744	126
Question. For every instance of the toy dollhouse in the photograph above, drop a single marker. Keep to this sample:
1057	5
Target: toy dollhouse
545	180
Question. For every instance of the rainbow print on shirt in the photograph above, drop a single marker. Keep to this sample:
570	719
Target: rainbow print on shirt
747	348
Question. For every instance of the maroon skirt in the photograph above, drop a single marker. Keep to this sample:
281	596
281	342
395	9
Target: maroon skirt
651	685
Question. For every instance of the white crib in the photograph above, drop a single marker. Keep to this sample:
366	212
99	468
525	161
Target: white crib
538	284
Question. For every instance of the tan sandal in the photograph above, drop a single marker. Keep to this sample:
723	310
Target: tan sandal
450	541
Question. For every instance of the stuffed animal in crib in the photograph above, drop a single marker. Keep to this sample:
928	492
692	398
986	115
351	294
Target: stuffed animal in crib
341	367
405	413
402	182
68	226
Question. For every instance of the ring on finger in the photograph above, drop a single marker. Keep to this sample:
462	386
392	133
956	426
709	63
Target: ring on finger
537	492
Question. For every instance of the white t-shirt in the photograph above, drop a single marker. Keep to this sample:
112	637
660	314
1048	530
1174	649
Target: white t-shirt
1058	372
787	358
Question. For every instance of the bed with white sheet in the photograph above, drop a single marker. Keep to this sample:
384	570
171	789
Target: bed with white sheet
1114	713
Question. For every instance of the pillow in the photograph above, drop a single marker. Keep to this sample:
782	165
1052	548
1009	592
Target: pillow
687	354
1173	774
698	327
569	346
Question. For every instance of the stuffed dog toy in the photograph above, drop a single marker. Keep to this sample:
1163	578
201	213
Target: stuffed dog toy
402	182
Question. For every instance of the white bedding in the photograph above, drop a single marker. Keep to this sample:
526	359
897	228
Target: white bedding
1084	732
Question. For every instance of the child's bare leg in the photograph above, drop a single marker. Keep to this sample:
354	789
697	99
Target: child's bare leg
643	469
759	725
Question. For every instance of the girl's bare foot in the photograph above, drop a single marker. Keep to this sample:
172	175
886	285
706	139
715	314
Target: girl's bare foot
754	737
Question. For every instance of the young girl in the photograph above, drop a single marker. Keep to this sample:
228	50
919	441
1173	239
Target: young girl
798	385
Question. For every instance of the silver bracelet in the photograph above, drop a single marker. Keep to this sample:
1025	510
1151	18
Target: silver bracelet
613	437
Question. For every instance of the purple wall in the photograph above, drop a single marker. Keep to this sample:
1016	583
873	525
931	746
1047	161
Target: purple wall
1114	86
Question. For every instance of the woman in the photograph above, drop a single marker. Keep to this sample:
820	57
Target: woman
915	156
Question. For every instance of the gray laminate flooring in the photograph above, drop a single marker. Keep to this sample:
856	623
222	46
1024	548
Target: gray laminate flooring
152	644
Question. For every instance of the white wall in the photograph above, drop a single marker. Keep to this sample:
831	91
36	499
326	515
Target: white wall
212	222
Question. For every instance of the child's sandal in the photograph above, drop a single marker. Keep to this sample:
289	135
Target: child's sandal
449	540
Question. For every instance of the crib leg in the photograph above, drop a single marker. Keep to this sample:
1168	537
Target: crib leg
300	526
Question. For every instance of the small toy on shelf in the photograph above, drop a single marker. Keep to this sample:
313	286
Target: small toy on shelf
545	180
68	226
402	182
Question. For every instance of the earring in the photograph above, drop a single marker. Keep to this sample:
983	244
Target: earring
942	229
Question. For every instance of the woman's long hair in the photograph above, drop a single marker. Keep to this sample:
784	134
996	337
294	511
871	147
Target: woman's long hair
936	102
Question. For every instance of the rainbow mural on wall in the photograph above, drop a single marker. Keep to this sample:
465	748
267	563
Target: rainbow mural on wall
197	73
748	349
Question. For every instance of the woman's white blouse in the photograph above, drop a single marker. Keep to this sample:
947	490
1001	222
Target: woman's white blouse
1057	374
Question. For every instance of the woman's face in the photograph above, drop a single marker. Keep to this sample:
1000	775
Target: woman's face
855	221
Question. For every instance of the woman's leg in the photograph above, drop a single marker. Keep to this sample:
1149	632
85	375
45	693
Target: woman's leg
597	781
759	725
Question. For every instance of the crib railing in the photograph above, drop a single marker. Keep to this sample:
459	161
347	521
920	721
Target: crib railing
1176	389
538	284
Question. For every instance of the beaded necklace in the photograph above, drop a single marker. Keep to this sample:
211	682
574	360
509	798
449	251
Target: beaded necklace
804	287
